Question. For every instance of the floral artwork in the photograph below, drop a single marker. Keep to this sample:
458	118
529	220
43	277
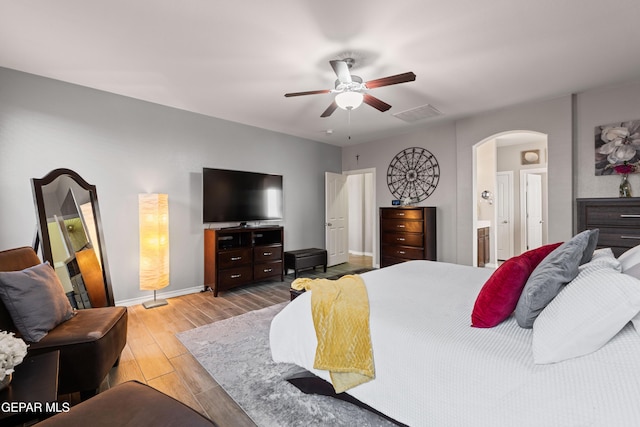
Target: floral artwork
617	148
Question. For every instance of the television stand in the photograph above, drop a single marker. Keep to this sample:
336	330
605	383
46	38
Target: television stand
237	256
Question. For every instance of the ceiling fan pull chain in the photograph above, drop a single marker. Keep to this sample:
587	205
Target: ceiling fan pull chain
349	116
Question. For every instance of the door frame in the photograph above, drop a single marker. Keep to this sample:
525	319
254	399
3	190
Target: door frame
374	213
523	206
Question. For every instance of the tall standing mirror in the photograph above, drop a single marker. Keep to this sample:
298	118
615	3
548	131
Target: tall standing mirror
71	237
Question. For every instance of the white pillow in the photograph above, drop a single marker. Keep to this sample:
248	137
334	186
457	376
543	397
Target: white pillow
636	323
630	258
602	259
588	312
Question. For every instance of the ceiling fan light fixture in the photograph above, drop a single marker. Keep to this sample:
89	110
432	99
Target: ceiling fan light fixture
349	100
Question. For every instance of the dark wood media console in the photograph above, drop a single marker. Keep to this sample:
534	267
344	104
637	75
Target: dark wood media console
241	255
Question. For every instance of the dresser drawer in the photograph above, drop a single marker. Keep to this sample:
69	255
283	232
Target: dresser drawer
397	213
262	271
387	261
234	257
623	216
404	252
406	239
267	253
234	276
619	237
401	225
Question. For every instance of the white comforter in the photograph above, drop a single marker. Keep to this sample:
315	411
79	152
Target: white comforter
433	369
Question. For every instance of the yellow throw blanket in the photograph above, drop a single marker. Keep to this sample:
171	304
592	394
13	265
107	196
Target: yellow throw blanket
340	310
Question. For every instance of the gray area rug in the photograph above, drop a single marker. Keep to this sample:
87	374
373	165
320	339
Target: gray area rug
236	353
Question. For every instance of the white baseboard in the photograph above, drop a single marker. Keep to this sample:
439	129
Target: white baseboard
358	253
163	295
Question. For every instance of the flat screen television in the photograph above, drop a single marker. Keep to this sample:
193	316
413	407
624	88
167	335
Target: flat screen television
230	196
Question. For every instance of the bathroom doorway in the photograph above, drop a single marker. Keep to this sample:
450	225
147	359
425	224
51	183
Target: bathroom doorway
510	195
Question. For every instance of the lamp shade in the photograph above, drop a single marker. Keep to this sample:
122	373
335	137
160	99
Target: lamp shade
349	100
154	241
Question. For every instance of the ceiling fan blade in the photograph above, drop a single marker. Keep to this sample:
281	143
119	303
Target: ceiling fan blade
391	80
329	111
342	71
375	102
311	92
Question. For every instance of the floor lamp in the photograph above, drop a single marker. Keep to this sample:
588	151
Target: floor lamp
153	212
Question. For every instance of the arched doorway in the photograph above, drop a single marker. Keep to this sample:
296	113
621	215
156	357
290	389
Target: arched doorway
510	195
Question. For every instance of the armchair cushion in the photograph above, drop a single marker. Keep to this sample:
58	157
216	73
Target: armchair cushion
130	404
35	300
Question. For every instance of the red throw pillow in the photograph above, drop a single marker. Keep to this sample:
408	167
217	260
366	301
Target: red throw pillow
499	295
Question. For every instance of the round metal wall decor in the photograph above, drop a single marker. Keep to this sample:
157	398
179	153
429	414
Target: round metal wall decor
413	174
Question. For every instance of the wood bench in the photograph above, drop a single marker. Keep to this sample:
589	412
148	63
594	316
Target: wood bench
304	259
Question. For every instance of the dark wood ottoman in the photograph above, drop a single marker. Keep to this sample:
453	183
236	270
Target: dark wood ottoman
303	259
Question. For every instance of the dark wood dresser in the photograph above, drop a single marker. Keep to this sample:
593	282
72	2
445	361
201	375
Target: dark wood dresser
242	255
617	218
407	233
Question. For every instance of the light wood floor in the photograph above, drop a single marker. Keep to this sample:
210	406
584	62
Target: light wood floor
153	355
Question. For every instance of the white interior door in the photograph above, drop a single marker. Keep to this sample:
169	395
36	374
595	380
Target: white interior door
504	215
336	218
534	210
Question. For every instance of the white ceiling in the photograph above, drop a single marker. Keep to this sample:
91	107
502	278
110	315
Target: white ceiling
236	60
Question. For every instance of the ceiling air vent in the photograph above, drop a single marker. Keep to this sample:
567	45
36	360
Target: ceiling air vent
418	113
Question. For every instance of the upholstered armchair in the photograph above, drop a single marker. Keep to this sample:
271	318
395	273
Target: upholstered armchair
90	340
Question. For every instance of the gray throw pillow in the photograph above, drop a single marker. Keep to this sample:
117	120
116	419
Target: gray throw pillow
591	246
35	300
549	277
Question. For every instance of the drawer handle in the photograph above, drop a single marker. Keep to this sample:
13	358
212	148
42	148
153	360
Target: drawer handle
400	239
401	252
236	258
235	276
630	237
266	253
629	216
401	225
400	213
268	270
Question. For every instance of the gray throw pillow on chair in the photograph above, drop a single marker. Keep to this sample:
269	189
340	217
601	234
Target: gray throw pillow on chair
35	300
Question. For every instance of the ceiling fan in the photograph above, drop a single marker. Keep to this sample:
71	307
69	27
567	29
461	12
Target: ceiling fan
351	91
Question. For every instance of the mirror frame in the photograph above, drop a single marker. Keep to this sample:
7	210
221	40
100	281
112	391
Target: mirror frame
43	230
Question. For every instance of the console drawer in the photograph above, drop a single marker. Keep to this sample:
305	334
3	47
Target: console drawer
267	253
235	276
234	257
262	271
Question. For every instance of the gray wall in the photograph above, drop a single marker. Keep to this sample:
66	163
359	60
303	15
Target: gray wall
595	108
569	123
126	147
440	141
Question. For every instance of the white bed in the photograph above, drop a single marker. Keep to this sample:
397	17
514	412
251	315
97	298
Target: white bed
434	369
